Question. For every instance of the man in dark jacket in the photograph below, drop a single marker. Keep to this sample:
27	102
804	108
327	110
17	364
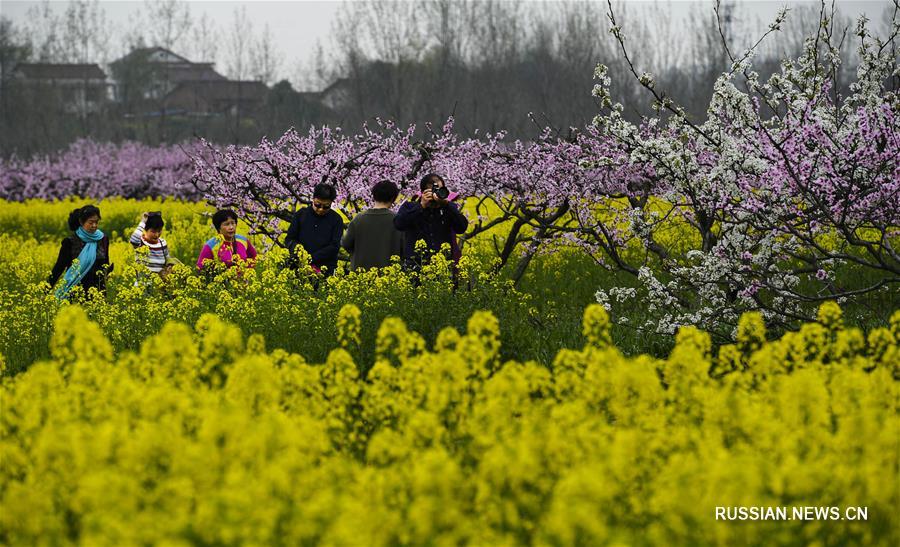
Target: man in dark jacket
431	218
318	229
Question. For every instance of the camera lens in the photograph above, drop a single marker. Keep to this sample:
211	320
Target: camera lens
441	192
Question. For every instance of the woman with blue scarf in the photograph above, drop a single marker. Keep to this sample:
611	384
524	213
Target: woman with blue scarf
90	247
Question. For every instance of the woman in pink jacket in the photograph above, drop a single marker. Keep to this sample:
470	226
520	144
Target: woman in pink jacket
228	246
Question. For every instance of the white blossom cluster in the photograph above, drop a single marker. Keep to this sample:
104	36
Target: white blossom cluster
784	183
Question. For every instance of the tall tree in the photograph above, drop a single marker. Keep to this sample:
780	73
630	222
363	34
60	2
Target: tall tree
86	32
238	43
168	22
204	40
14	49
265	59
43	27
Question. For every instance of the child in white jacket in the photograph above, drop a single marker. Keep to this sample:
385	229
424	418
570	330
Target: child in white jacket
148	234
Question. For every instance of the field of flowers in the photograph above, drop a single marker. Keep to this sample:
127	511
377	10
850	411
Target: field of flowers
253	408
650	323
205	436
287	309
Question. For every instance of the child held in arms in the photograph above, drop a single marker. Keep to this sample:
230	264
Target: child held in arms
149	234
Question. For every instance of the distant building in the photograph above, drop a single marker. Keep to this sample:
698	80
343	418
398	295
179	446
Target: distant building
338	95
216	97
81	88
150	74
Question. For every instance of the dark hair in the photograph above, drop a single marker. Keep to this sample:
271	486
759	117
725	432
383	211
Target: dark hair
222	215
155	222
429	180
385	192
78	216
325	192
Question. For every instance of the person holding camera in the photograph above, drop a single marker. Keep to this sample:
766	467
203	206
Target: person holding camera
431	218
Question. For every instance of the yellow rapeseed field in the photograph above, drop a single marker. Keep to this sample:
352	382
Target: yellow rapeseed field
151	417
205	437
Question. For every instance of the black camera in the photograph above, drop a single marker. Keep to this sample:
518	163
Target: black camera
441	192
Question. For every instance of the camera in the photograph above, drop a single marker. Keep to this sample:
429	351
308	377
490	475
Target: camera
441	192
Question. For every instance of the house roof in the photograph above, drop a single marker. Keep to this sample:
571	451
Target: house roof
192	72
144	52
47	71
224	90
175	71
335	85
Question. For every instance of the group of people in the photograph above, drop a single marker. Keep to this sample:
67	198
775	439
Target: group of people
371	238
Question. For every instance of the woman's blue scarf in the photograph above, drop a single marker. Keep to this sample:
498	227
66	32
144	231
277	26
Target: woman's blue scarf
86	259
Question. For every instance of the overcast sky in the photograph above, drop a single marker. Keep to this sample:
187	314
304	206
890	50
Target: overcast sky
297	25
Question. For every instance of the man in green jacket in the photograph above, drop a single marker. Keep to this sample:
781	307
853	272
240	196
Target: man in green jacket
371	238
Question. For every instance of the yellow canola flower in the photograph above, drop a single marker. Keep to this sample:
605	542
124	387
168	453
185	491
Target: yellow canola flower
349	328
149	420
596	326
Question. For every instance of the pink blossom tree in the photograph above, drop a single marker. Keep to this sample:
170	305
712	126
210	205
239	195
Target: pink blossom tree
97	170
530	184
786	183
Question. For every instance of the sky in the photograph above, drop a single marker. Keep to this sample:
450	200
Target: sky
297	26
